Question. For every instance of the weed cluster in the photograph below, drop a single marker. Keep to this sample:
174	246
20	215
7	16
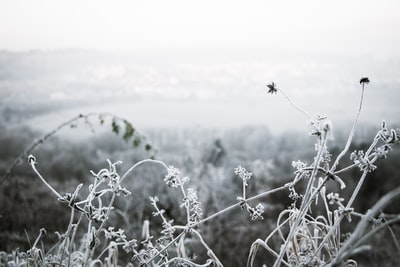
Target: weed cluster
309	235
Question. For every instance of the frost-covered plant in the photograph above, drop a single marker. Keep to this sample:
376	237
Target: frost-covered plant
118	126
306	238
315	240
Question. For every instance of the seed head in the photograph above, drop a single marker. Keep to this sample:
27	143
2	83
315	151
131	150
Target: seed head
272	88
364	80
31	159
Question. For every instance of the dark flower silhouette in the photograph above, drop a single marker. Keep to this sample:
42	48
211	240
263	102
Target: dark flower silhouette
272	88
364	80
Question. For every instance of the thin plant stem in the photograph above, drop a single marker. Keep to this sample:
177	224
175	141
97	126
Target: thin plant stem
308	197
36	143
186	262
277	229
299	217
339	220
209	250
239	203
351	135
108	213
69	244
394	238
187	207
165	248
140	163
44	181
362	225
370	157
75	229
46	136
358	187
315	169
294	104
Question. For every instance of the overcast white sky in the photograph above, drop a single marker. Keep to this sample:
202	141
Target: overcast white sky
369	27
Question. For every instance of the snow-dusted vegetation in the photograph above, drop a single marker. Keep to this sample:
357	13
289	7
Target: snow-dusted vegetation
246	198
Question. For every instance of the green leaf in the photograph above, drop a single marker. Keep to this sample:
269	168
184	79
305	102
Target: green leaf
129	131
115	126
147	147
137	141
101	118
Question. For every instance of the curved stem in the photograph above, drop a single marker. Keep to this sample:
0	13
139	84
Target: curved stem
209	250
294	105
44	181
351	135
140	163
339	220
41	140
299	217
356	236
36	143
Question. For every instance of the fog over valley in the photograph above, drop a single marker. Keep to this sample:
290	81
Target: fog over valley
209	88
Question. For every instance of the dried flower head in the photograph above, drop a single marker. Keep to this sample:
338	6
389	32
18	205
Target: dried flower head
243	174
364	80
256	212
272	88
359	158
299	165
334	198
172	177
31	159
